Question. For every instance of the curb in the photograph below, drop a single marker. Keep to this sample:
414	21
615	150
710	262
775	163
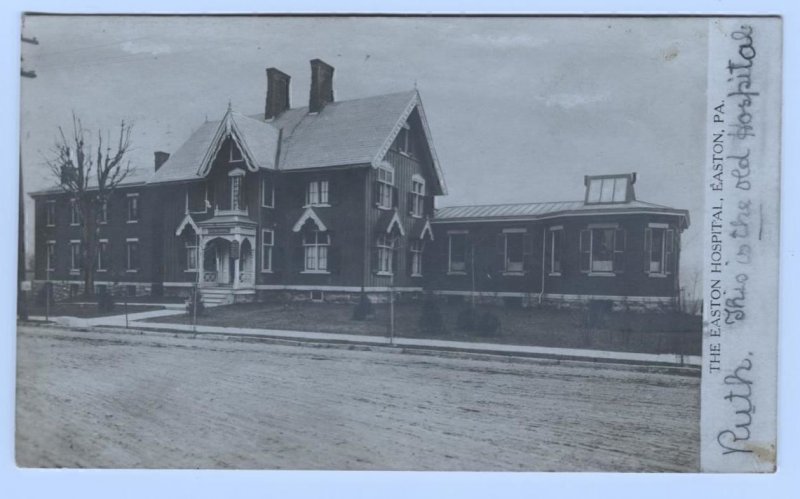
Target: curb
442	352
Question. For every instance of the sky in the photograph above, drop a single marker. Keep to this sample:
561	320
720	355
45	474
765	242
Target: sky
520	109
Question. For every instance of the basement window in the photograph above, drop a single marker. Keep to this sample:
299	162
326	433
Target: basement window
317	296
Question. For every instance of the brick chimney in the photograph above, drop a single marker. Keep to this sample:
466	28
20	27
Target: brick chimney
277	93
321	85
161	157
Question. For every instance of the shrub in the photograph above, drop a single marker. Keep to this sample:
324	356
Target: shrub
467	319
363	308
190	303
471	319
488	324
431	321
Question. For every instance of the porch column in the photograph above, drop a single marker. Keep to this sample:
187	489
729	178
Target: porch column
201	250
237	263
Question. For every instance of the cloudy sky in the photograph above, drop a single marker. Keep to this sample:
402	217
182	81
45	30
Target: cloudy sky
520	108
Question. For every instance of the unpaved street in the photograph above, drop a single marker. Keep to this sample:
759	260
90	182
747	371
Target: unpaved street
87	399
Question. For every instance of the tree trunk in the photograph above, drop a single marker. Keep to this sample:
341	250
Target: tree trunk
88	245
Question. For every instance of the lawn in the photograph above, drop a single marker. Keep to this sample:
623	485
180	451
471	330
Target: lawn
86	311
631	332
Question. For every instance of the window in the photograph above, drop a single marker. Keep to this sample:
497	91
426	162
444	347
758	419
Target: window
659	248
417	196
50	213
267	193
50	256
102	215
513	247
133	208
102	255
554	247
191	255
267	242
457	251
602	250
315	247
197	197
132	255
404	140
75	256
385	249
317	295
235	183
74	212
317	193
385	187
416	257
235	153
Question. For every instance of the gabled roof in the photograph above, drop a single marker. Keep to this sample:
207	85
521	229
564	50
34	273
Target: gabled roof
345	133
257	140
534	211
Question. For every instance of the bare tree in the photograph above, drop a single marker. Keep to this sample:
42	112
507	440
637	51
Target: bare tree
89	176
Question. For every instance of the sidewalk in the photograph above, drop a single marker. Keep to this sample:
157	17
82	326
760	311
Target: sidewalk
571	354
585	355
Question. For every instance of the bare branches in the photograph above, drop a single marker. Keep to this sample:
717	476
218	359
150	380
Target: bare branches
89	175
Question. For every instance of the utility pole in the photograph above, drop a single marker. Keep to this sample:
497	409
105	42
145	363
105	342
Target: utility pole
22	305
27	73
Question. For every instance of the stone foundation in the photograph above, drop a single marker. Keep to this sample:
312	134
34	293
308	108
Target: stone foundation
64	290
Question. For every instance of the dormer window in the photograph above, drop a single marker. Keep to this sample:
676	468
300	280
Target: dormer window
607	189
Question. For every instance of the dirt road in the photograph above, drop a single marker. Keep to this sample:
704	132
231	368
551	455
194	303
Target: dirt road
119	400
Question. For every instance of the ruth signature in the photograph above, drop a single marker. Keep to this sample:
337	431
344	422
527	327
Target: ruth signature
739	397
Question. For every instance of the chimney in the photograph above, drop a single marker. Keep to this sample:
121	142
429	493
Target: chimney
161	158
277	93
321	86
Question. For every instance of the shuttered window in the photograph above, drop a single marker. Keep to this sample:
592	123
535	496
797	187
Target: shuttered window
659	250
602	250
